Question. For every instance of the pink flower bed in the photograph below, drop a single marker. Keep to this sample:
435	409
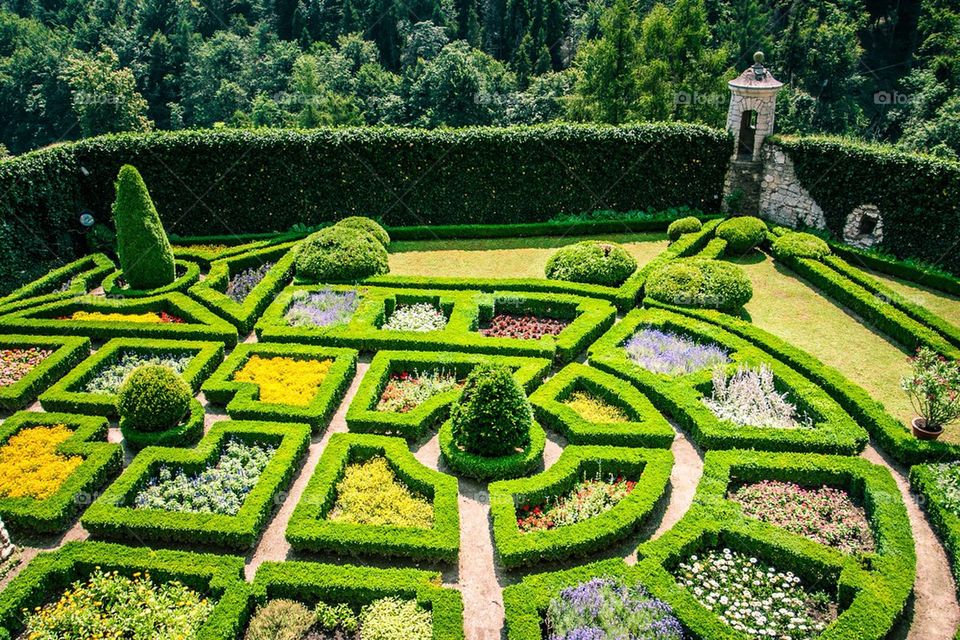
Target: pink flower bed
527	327
16	363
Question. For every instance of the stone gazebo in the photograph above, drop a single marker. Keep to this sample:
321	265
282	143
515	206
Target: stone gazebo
750	117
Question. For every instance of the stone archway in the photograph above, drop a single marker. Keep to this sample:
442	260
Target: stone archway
863	227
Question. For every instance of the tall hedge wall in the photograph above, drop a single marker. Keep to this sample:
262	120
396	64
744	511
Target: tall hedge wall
918	196
215	182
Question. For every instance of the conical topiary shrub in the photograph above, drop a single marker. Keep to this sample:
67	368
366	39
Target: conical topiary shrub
146	258
493	416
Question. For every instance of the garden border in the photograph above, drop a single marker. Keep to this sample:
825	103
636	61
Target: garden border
191	274
81	276
68	351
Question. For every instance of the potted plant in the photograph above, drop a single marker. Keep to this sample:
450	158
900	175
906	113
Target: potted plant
934	391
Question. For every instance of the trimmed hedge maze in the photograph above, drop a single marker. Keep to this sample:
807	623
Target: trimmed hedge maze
326	439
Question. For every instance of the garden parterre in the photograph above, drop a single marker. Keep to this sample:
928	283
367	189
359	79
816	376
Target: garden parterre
820	533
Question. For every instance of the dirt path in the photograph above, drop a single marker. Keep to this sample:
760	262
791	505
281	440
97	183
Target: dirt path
933	613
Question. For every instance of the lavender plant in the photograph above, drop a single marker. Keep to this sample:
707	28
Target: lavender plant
109	379
219	489
749	398
670	353
420	317
324	308
604	608
244	282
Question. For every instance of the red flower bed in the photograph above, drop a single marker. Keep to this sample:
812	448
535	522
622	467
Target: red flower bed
527	327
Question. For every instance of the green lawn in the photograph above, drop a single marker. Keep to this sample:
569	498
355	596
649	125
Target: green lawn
943	304
503	257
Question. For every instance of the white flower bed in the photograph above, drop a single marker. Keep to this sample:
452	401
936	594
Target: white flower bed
420	317
749	398
755	598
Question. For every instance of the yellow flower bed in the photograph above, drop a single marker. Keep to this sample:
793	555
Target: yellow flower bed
96	316
285	380
370	493
595	409
30	465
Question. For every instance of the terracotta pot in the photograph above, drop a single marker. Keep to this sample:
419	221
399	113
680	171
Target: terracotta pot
920	431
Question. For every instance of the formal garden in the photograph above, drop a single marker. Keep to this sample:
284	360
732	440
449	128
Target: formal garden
661	424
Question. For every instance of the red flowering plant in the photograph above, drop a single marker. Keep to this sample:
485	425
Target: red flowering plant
588	498
934	389
525	327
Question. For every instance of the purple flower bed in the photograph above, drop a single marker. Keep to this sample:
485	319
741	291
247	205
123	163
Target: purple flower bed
672	354
604	608
244	282
325	308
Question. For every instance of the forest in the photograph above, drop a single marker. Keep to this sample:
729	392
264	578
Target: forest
884	70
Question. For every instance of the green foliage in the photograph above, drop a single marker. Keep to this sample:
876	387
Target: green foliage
280	619
369	493
368	225
339	254
592	262
493	416
677	228
104	94
396	619
701	283
153	398
742	234
145	254
66	353
796	244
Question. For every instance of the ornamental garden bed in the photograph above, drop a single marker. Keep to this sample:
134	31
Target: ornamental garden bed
30	364
370	496
70	280
282	382
187	273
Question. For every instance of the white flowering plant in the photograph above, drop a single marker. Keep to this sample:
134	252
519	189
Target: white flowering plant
420	317
750	398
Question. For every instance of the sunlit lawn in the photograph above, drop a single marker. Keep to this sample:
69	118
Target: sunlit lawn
943	304
503	257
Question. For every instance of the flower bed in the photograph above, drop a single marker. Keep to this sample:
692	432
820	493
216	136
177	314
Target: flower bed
108	605
161	317
588	498
284	380
749	398
755	598
594	409
604	608
324	308
671	353
370	493
220	489
388	618
524	327
16	363
30	464
822	514
240	285
111	377
405	392
419	317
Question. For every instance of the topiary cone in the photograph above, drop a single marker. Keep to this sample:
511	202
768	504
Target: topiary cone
146	258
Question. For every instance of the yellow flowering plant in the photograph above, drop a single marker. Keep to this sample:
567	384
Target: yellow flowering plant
30	465
282	380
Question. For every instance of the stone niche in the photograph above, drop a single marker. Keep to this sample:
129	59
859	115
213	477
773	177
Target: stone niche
864	227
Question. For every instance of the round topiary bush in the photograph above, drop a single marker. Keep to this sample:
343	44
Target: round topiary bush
683	225
742	234
153	398
493	416
368	225
700	283
280	619
592	262
796	244
339	254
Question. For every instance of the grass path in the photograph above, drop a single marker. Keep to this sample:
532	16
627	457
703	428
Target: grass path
943	304
503	257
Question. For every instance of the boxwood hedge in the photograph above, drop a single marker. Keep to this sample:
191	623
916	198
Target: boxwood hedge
650	468
924	481
68	394
310	529
494	468
112	515
66	353
101	461
73	279
187	274
363	416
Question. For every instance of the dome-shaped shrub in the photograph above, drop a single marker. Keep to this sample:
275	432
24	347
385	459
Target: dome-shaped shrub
368	225
339	254
683	225
493	416
153	398
280	619
146	257
592	262
700	283
742	234
796	244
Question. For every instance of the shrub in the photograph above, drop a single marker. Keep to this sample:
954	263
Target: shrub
591	262
395	619
493	416
934	389
684	225
153	398
370	493
749	398
341	254
742	233
701	283
142	245
111	377
240	285
796	244
368	225
280	620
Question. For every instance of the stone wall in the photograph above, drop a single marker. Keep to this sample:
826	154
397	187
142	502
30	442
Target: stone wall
782	199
